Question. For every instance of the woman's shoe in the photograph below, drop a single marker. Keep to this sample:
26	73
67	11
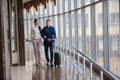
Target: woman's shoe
36	64
47	63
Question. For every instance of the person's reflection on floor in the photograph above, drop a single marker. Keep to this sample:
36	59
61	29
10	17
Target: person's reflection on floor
53	74
48	74
36	74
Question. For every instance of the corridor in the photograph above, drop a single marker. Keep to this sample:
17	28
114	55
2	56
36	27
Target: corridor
86	33
68	70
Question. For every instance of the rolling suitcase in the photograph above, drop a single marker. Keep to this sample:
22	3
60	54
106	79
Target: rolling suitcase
57	59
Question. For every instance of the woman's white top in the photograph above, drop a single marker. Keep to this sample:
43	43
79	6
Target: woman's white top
35	33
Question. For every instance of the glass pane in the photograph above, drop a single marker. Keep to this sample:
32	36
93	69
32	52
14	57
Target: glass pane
99	33
87	2
73	29
66	5
41	23
13	31
25	12
72	4
29	27
61	27
114	34
88	31
67	29
41	11
14	39
31	23
45	12
50	8
36	14
78	3
25	27
25	23
55	8
32	12
56	25
79	31
60	6
41	15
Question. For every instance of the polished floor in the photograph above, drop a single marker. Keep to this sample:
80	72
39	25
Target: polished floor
68	70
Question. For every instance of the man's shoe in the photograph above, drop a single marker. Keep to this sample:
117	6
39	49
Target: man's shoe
51	65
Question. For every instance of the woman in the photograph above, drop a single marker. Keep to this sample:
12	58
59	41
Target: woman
36	39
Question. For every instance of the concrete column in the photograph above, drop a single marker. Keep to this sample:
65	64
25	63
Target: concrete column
4	50
20	32
1	42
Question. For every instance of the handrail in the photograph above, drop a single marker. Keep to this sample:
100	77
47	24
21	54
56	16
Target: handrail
93	65
104	70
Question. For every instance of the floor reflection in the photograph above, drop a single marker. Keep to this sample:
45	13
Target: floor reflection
68	70
46	73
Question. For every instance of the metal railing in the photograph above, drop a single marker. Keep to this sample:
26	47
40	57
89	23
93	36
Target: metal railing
76	56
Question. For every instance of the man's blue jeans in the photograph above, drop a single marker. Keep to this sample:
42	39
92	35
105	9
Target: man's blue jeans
51	46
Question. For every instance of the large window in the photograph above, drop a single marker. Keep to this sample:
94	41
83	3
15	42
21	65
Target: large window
79	31
99	18
50	8
56	25
61	27
60	6
72	4
55	8
114	34
66	5
45	12
114	18
87	2
99	33
73	28
88	31
31	17
25	23
67	28
78	3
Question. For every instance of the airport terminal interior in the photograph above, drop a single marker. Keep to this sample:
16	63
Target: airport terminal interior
87	39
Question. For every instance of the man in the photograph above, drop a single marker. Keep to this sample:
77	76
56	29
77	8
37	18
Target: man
49	35
36	39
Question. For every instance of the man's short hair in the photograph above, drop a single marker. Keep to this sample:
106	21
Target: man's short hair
48	20
35	20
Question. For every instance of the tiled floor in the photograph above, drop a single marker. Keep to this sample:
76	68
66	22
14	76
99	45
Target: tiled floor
69	70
